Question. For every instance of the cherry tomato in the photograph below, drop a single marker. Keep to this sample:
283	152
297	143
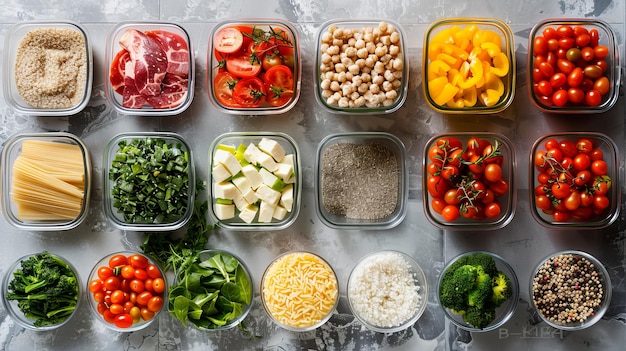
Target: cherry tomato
540	46
599	167
452	196
560	190
543	202
123	320
155	303
593	71
499	187
118	296
433	168
108	316
493	210
153	271
582	161
143	298
600	202
112	283
565	31
118	260
449	172
572	202
105	272
575	95
250	92
438	204
128	272
568	148
575	77
271	59
600	187
546	69
601	51
95	285
560	97
602	85
223	86
558	80
493	172
158	285
437	186
565	66
137	285
141	274
99	296
593	98
146	314
279	85
596	154
584	145
561	216
582	177
138	261
450	213
135	312
587	54
242	65
116	308
545	88
228	40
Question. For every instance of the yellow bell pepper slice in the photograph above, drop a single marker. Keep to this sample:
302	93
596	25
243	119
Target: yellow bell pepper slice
454	76
493	82
490	97
449	59
446	94
456	102
437	68
500	65
435	86
491	48
469	97
476	69
446	36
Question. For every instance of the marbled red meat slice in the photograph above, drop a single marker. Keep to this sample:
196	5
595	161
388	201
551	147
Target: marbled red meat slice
174	92
176	50
117	71
131	98
148	59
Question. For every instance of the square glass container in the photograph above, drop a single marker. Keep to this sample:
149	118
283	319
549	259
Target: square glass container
555	85
460	165
169	69
32	95
361	78
38	180
12	307
468	66
139	185
503	312
254	66
590	201
599	284
265	190
362	181
136	261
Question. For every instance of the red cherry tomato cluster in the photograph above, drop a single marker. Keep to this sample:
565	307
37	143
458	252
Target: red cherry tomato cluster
569	67
573	180
466	182
128	290
255	67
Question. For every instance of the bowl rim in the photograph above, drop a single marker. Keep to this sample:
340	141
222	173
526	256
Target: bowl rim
14	143
607	284
514	300
210	72
510	84
12	308
615	69
111	49
615	176
402	207
107	184
402	94
323	320
256	226
93	274
418	276
8	69
500	222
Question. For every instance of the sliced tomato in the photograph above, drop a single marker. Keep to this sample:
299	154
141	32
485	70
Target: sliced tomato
228	40
279	85
243	65
117	71
223	86
250	92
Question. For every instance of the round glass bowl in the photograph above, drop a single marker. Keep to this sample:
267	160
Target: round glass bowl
348	163
585	65
46	181
466	191
387	291
361	66
589	200
149	181
59	87
236	294
254	66
299	281
256	181
469	66
164	60
11	306
503	312
560	280
115	278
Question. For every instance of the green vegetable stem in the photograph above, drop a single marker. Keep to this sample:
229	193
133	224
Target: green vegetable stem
46	289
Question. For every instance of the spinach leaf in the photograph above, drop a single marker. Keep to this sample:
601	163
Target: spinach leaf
245	287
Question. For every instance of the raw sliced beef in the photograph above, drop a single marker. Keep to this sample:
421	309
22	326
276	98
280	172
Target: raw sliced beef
174	92
117	71
148	59
131	98
176	50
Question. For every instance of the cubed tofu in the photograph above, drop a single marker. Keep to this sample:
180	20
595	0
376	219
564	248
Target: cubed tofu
248	213
227	190
242	183
224	212
273	148
265	193
269	178
286	197
228	160
289	159
250	196
284	171
252	154
279	213
220	173
253	176
266	212
266	161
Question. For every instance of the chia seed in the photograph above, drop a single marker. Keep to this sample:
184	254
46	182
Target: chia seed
360	181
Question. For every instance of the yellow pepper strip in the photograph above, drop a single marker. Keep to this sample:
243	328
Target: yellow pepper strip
500	65
437	68
456	102
456	51
491	48
490	97
454	76
446	36
490	36
435	86
434	49
446	94
469	97
450	60
493	82
476	70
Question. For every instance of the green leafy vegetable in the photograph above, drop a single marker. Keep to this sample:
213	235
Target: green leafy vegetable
46	289
151	179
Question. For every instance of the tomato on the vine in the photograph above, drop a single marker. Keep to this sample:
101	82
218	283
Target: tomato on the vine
250	92
279	85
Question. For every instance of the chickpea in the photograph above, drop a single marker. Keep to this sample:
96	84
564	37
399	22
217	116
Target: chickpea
380	51
387	102
346	89
326	58
363	88
326	93
354	69
359	44
375	88
351	52
366	77
327	37
371	47
357	80
343	102
386	40
387	86
379	67
334	86
394	50
341	77
335	58
394	37
333	50
337	42
359	102
377	79
325	84
362	53
391	95
332	100
398	65
360	62
389	76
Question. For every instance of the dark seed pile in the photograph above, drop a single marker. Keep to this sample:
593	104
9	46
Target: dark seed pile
567	289
359	181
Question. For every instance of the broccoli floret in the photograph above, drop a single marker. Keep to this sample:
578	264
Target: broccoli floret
464	278
479	318
501	289
481	292
484	260
46	289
